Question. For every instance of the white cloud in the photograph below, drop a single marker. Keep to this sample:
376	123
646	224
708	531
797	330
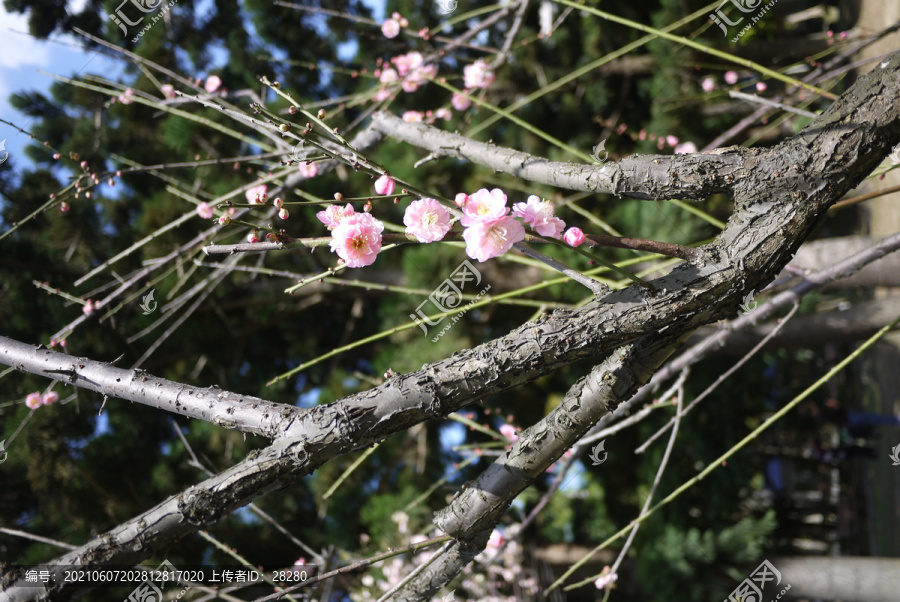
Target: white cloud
19	48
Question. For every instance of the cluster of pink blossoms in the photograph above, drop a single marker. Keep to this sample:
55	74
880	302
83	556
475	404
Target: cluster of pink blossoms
35	400
489	229
409	69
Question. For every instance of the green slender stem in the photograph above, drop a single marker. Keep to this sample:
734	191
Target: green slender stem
362	458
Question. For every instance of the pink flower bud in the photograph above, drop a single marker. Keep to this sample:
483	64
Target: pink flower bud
33	400
253	236
574	237
461	199
283	213
384	185
278	203
224	220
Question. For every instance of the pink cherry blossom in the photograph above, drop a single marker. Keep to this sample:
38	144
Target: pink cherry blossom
334	215
257	194
685	148
127	97
485	240
672	140
390	28
388	76
461	199
443	113
413	116
406	63
33	400
403	21
574	237
168	90
478	75
460	102
308	170
761	86
731	77
204	210
606	579
418	76
495	540
509	431
357	240
88	308
213	83
484	206
49	398
384	185
708	84
427	220
539	215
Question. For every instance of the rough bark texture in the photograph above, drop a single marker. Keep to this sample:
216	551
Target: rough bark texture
780	194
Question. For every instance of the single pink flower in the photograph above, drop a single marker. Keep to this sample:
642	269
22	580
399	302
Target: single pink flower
390	28
574	237
51	397
381	94
168	90
384	185
606	579
213	83
334	215
413	116
204	210
427	220
257	194
484	206
685	148
708	84
88	308
308	170
672	140
539	215
478	75
495	540
33	400
509	431
443	113
485	240
357	240
460	102
761	86
388	76
127	97
731	77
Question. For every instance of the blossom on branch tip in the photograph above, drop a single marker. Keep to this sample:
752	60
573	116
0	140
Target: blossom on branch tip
168	90
88	308
539	215
478	75
334	215
488	239
50	397
708	84
357	240
127	97
204	210
33	400
574	237
308	170
427	220
384	185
